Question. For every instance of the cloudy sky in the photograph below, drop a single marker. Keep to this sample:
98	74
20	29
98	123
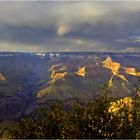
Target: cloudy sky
70	26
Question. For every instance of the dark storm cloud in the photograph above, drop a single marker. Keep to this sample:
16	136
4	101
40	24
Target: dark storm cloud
26	34
70	26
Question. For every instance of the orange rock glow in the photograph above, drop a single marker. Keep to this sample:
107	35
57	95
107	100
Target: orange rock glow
81	71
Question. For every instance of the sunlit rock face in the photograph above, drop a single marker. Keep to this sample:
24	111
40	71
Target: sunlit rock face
110	83
58	75
58	67
81	71
122	77
58	72
2	77
113	66
120	104
62	75
47	90
131	71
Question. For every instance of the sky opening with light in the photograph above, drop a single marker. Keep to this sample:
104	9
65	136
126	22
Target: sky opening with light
65	26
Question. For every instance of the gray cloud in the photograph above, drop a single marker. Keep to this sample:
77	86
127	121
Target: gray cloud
69	26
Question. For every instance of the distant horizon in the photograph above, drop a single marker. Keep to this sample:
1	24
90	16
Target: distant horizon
66	52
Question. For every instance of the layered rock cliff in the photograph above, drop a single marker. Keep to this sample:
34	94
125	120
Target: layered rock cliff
58	67
113	66
2	77
57	75
81	71
131	71
66	80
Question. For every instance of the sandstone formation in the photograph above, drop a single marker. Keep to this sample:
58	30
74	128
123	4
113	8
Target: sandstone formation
81	71
122	77
113	66
2	77
131	71
58	67
56	76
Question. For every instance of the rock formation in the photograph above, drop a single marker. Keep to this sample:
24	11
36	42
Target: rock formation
110	83
2	77
58	67
122	77
58	75
81	71
114	67
46	90
131	71
58	72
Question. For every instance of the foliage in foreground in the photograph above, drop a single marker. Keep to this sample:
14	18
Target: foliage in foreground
89	121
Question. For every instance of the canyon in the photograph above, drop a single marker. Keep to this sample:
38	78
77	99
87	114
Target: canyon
29	80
